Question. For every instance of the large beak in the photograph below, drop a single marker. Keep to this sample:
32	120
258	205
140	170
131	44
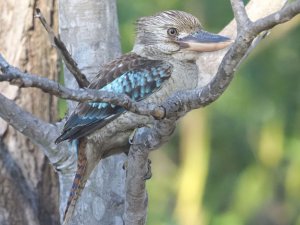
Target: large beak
202	41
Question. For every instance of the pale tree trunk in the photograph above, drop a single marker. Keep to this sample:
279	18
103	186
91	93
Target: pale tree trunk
29	186
90	31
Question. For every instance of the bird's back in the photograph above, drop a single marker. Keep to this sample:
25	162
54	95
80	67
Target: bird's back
133	75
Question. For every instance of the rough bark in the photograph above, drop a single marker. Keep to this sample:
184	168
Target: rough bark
29	186
102	200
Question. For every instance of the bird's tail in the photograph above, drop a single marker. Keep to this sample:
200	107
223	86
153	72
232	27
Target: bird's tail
79	181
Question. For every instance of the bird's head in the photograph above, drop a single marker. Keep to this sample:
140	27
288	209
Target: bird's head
177	34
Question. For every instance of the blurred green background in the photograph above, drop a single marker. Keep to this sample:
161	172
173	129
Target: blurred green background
236	162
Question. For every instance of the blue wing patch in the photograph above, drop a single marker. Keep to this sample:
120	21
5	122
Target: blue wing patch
138	78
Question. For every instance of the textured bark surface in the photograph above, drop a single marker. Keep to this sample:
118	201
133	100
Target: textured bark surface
29	186
102	201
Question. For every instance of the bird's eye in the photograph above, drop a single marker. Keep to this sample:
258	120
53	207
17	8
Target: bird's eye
172	32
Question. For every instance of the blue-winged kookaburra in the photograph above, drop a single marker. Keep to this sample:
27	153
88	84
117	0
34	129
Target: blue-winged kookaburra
163	61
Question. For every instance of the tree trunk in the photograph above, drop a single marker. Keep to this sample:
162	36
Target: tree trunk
90	31
29	186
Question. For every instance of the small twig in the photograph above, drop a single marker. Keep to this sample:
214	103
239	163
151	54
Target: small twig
63	51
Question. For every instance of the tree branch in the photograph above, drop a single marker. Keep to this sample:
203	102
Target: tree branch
196	98
285	14
145	139
18	78
182	102
240	13
38	131
63	51
186	100
24	122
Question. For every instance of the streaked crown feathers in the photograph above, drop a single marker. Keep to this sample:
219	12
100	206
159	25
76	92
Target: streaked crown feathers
153	28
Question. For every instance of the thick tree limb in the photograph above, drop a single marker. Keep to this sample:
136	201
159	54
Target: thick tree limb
38	131
63	52
24	121
144	140
136	195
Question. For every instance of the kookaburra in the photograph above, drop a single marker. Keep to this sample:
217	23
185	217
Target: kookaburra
163	61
